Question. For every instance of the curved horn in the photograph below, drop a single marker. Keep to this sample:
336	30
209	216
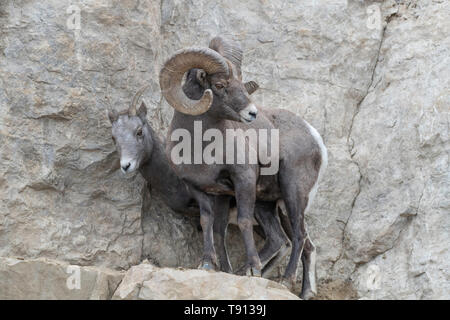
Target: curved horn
230	50
137	96
171	76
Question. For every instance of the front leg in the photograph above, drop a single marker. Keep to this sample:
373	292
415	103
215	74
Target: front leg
221	215
206	203
245	193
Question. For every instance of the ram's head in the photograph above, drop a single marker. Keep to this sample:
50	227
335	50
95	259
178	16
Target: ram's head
213	83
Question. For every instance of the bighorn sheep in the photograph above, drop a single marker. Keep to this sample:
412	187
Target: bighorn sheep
140	148
221	102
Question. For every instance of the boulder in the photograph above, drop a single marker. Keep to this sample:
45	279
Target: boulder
147	282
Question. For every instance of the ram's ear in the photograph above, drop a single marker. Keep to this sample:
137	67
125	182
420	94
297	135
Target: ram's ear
113	115
251	86
201	77
142	112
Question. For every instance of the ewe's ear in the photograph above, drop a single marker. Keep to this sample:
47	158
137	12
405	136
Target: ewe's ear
112	115
251	86
142	112
201	77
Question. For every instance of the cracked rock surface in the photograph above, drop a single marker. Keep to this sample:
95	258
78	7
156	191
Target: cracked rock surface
372	76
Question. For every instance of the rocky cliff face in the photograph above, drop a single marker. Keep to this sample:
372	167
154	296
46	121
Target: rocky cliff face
371	76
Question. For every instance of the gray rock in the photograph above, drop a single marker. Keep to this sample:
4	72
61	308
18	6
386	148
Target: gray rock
404	190
147	282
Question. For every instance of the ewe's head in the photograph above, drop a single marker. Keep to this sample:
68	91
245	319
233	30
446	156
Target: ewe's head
213	82
132	135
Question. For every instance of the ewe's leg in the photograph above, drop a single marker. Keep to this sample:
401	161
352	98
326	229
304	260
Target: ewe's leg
221	213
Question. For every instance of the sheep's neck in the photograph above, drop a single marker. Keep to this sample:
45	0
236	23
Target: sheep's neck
162	178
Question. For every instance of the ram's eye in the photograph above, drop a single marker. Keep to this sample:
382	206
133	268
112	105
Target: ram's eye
219	85
114	139
139	132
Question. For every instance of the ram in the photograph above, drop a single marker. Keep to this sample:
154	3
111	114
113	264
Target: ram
220	101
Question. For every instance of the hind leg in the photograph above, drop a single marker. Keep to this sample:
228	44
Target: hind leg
295	199
276	242
298	241
308	259
276	259
265	215
309	288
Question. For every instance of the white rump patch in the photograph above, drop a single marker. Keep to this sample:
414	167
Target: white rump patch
323	165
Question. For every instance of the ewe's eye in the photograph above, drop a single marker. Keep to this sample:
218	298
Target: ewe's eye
114	140
219	85
139	132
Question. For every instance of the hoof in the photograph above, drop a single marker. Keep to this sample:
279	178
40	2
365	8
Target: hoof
307	294
253	272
